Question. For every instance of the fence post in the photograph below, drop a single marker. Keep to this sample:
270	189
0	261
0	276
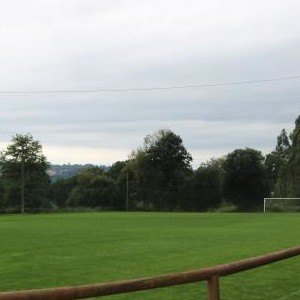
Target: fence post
213	288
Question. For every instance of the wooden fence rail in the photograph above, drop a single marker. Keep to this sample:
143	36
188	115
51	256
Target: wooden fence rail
211	275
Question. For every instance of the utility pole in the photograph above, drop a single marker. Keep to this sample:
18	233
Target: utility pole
22	188
127	191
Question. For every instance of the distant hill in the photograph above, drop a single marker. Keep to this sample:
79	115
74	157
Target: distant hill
67	170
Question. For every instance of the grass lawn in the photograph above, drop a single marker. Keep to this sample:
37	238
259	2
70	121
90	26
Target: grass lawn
50	250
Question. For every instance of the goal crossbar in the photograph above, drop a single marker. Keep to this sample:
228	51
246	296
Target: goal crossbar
282	198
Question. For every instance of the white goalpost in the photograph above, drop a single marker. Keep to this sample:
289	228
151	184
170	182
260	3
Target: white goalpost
281	204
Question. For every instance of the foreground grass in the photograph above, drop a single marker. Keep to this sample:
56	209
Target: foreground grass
38	251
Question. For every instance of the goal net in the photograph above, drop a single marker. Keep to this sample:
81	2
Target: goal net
281	205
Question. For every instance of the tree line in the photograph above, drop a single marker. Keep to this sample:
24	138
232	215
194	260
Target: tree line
157	176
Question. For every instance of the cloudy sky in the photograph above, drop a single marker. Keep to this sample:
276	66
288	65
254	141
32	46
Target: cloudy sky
127	51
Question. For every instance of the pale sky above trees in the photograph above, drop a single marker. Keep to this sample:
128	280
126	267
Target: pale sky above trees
94	45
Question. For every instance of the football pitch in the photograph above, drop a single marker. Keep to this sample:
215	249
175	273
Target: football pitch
52	250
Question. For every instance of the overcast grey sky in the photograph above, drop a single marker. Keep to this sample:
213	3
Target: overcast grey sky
93	45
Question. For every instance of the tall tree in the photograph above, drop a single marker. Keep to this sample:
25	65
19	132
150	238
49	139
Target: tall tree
288	183
295	159
283	147
160	169
245	182
289	177
24	168
277	161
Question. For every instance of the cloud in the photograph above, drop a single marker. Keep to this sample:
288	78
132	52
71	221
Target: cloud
88	45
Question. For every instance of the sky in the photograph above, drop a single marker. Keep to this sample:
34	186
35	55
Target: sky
90	79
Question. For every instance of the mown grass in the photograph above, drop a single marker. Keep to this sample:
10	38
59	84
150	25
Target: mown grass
50	250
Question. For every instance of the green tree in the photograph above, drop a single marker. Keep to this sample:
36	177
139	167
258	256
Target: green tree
24	172
283	147
60	190
122	174
245	181
295	159
289	177
276	161
94	189
117	169
288	183
160	169
206	186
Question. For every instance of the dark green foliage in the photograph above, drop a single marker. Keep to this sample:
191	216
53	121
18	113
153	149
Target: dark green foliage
277	161
288	183
245	182
117	170
24	173
159	171
206	187
294	163
60	190
166	152
94	189
283	147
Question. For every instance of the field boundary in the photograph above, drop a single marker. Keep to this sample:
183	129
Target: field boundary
211	275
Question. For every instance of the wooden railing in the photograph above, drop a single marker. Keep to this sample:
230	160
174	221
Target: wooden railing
211	275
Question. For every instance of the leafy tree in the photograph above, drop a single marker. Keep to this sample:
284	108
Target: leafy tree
289	178
117	169
122	176
165	149
283	147
295	159
277	159
245	181
142	181
24	166
160	169
94	189
206	186
289	174
60	190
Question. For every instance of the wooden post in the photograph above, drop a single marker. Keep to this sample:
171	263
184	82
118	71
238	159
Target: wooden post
213	288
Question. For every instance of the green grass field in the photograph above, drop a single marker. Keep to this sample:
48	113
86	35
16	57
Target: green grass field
51	250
